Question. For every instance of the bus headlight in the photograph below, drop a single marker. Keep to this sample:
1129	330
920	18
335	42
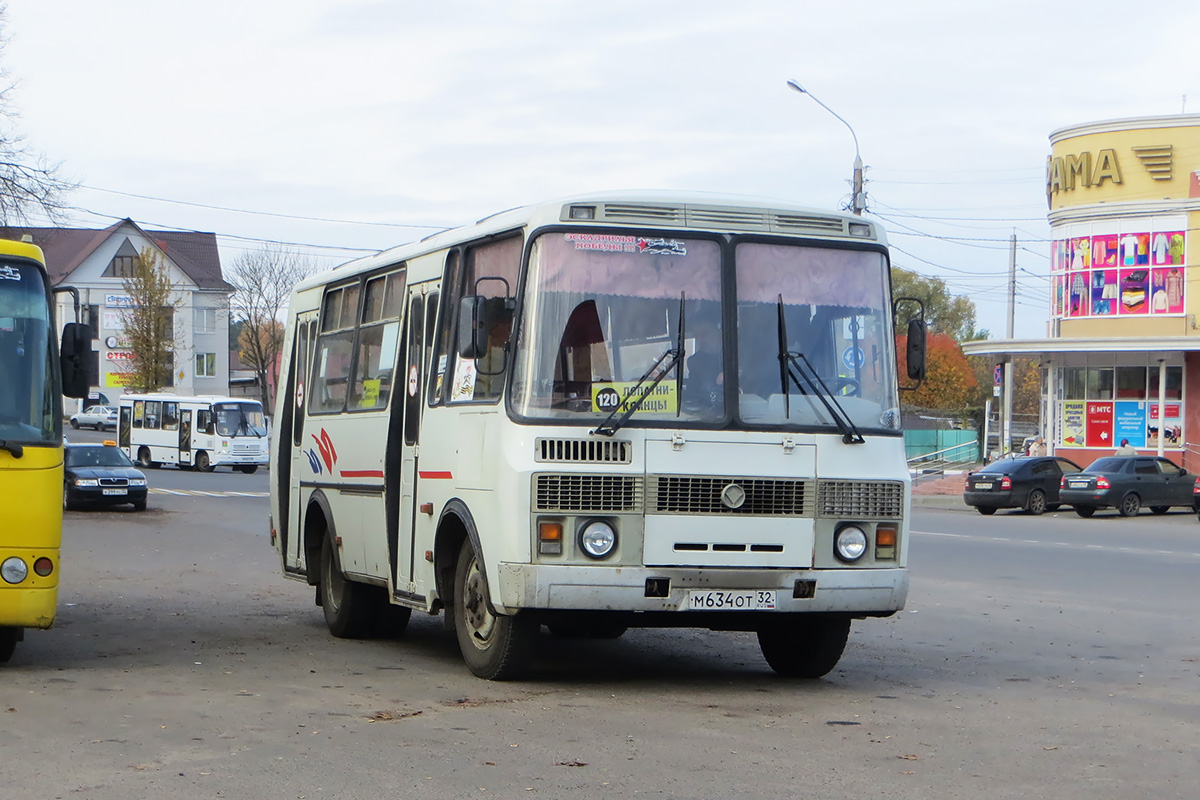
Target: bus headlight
849	543
14	570
597	539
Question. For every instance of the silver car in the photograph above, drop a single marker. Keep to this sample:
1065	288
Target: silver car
98	417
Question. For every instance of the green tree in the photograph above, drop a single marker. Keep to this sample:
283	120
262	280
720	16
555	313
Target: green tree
29	184
150	322
953	315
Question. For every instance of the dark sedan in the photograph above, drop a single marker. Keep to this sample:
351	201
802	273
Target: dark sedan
101	474
1031	483
1127	483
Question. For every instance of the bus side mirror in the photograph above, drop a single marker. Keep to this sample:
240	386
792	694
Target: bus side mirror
472	332
73	361
916	349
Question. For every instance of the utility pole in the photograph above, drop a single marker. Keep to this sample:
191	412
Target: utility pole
1008	365
858	200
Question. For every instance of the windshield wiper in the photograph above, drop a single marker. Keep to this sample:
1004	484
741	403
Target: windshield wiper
13	447
671	359
794	367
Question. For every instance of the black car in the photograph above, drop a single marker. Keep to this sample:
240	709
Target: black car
1128	483
1031	483
102	474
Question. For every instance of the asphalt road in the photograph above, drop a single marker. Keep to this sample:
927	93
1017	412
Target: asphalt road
1037	657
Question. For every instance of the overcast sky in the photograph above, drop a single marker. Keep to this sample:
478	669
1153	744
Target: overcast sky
341	127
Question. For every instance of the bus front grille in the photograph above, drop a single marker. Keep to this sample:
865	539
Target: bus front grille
861	499
588	493
583	451
725	495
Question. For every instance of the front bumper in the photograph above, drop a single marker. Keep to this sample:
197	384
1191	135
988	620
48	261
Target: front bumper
872	592
95	494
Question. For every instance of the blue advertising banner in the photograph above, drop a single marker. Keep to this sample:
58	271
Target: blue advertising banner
1129	422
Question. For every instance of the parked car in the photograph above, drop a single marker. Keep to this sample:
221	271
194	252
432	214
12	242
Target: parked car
101	474
1127	483
98	417
1030	482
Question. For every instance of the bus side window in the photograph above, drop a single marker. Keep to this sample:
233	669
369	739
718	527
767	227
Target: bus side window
491	272
153	414
445	330
170	416
139	412
204	421
300	370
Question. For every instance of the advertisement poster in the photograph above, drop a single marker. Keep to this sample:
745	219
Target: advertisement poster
1134	291
1104	251
1104	292
1072	423
1166	291
1078	294
1099	425
1172	426
1130	422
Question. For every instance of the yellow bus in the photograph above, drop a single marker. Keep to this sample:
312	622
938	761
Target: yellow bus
35	376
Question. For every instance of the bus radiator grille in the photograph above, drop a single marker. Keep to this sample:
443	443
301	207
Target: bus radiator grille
583	451
707	495
589	493
861	499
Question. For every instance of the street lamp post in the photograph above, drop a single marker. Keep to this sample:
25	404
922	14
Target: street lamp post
858	200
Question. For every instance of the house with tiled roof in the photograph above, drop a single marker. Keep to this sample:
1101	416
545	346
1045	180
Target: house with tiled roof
96	261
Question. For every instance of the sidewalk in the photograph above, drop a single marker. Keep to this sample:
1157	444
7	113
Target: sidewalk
940	491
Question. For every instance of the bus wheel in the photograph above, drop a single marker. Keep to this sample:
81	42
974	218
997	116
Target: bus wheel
496	647
390	620
249	469
202	462
67	504
9	637
144	458
805	647
347	604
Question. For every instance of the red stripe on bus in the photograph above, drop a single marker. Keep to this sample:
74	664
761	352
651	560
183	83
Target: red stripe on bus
362	473
436	475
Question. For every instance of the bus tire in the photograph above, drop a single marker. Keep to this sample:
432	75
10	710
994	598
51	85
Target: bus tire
67	504
347	604
249	469
143	458
495	647
9	636
202	462
390	621
805	646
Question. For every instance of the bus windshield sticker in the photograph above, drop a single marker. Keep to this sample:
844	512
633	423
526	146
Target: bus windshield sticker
9	274
607	396
662	247
464	381
610	242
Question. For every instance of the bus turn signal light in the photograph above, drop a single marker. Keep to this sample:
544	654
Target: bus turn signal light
550	538
885	543
43	566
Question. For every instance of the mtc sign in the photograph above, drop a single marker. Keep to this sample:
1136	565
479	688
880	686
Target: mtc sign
1064	173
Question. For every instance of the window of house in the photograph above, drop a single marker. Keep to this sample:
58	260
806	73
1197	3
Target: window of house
206	365
1131	383
205	320
1074	383
1174	388
1100	383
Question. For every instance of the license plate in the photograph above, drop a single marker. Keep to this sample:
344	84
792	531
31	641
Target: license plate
719	600
983	485
1077	484
116	491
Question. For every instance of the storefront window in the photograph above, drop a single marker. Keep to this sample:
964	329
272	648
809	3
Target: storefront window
1099	384
1131	383
1174	383
1074	386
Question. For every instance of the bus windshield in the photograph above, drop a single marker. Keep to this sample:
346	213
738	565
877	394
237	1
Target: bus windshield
240	419
31	383
600	309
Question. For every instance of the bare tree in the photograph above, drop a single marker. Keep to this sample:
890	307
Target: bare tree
149	322
28	182
262	282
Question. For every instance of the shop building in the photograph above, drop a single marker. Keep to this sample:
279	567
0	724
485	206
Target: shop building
1121	359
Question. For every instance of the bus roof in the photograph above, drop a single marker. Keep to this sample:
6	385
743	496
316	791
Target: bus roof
10	247
189	398
700	211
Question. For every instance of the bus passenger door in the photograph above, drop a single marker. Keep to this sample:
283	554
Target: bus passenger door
402	451
300	465
185	437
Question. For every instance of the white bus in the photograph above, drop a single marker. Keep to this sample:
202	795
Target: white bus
596	413
202	432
